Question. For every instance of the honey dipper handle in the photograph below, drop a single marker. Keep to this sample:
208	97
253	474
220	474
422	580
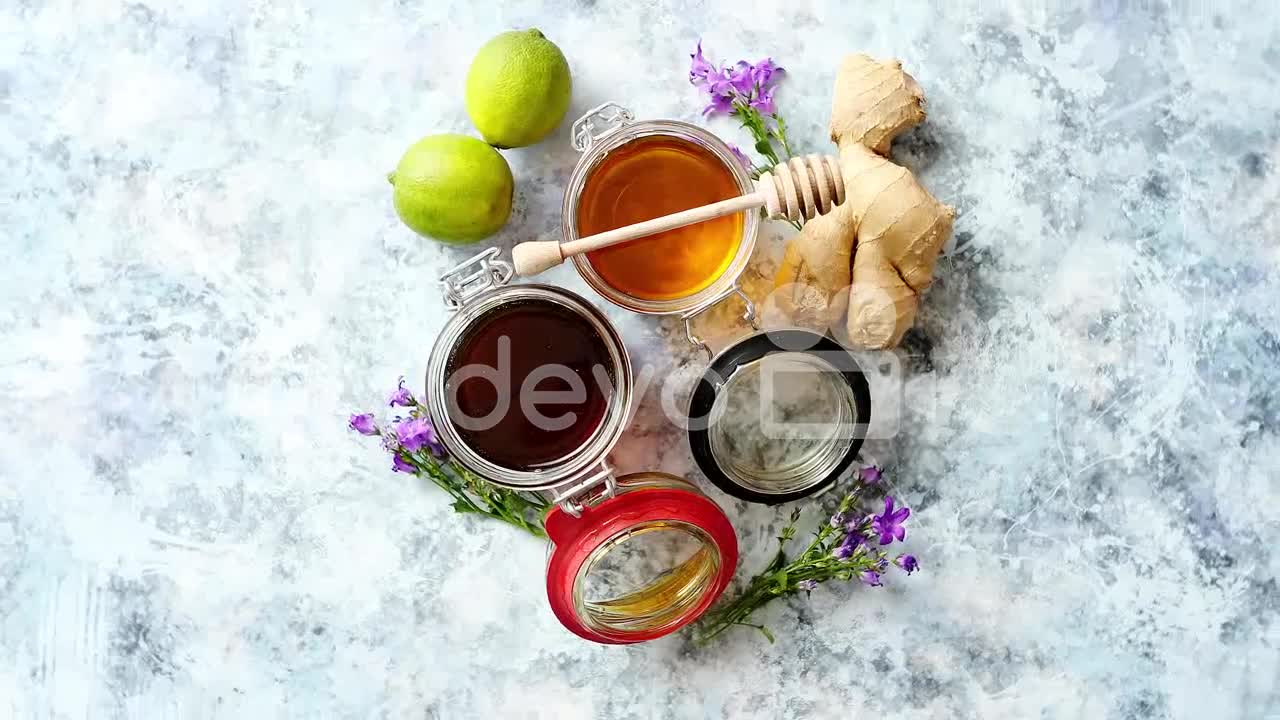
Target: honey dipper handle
662	224
531	258
801	188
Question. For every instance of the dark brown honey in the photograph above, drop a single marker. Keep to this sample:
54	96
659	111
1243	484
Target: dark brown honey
524	346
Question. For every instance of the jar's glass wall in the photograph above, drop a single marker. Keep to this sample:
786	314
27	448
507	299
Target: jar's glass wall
646	577
782	423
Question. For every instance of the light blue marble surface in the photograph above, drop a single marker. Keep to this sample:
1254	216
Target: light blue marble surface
203	275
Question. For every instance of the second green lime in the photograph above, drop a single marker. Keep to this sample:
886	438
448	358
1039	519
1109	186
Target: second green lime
518	88
453	188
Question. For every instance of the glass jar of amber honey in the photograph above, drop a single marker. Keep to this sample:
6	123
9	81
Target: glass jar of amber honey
633	171
530	386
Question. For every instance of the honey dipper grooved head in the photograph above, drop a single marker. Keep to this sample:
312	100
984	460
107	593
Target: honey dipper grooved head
802	187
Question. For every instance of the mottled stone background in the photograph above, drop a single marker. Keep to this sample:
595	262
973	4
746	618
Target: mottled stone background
202	274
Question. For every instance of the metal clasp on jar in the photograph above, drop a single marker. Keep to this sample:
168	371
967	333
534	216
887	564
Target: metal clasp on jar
475	276
589	490
598	122
748	314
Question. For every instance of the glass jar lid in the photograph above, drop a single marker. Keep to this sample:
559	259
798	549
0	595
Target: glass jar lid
779	415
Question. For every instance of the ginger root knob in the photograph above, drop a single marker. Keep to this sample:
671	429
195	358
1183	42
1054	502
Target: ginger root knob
869	259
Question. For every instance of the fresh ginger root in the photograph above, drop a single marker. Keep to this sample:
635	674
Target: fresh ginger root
897	226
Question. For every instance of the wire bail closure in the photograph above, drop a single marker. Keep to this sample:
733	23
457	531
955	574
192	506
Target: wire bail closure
748	314
475	276
574	498
599	121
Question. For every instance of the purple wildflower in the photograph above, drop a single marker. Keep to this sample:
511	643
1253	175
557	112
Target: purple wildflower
401	397
764	104
399	464
765	74
870	474
807	585
720	103
847	546
363	424
870	577
705	76
907	562
741	156
742	78
741	86
416	433
856	525
837	520
889	524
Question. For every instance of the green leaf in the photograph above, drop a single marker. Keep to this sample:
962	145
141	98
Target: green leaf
765	631
763	147
779	584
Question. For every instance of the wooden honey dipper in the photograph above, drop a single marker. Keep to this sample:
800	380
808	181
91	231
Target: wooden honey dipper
801	187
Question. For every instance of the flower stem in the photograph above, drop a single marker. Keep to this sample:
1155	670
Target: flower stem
782	134
764	137
473	494
754	122
838	550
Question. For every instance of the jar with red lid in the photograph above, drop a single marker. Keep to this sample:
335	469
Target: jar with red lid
530	387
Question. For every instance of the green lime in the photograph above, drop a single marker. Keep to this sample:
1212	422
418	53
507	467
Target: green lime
518	88
453	188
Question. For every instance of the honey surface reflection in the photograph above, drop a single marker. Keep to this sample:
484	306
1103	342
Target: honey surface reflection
648	178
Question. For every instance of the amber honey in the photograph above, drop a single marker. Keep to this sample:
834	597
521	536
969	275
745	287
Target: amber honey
648	178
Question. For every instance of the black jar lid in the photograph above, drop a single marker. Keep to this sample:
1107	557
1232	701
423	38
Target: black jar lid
779	415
